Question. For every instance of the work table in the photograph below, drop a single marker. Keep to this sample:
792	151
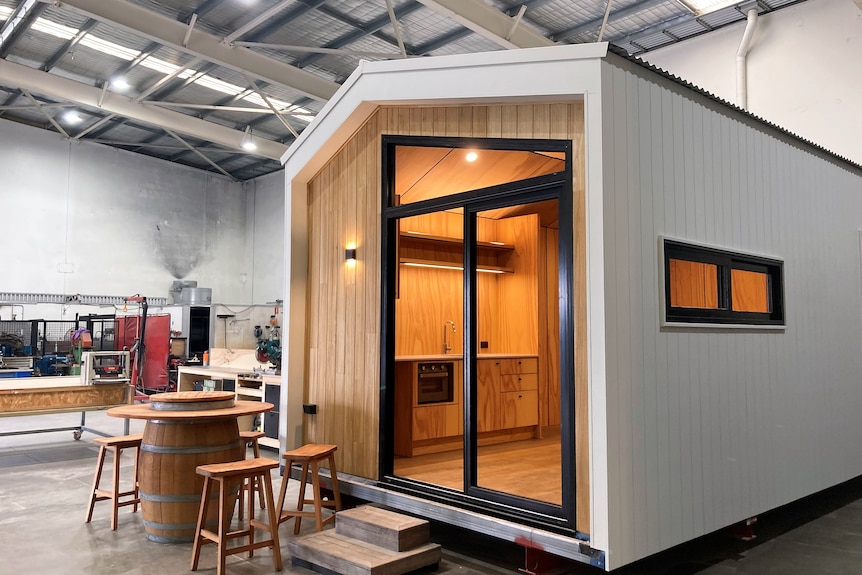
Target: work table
247	384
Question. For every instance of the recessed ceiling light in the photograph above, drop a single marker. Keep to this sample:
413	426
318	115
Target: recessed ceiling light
471	156
72	117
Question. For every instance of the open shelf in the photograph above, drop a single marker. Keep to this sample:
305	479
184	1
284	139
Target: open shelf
425	250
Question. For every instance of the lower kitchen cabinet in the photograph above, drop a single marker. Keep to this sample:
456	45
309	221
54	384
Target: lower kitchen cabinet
519	408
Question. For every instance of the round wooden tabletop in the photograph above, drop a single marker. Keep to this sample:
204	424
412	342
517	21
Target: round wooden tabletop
147	411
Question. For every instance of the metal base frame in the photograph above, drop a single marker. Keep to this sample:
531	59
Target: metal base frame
77	430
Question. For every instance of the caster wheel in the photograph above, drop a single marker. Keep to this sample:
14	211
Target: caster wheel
77	435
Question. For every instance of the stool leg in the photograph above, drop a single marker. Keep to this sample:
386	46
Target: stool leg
251	481
115	495
273	520
136	495
222	527
202	517
283	489
257	486
241	501
336	491
99	465
301	499
318	502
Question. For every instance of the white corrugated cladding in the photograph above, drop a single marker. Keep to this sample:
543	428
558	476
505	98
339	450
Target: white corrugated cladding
707	427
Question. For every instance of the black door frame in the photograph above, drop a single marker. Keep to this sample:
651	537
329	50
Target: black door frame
553	186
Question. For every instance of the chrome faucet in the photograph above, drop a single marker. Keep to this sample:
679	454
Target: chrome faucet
446	325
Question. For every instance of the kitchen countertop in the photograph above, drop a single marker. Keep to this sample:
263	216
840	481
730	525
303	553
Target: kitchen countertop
453	357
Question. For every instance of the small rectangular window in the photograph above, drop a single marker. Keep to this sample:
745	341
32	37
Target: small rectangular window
710	285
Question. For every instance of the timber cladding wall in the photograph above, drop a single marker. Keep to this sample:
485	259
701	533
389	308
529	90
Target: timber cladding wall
344	303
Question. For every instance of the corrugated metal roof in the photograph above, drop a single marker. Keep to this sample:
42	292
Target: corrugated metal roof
676	79
349	25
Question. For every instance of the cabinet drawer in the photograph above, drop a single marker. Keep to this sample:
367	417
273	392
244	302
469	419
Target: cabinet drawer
518	365
520	408
521	382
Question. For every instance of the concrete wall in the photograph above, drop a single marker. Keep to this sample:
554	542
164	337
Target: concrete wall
84	218
802	70
707	427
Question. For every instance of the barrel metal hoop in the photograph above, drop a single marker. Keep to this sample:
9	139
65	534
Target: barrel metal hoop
169	449
191	406
184	498
176	526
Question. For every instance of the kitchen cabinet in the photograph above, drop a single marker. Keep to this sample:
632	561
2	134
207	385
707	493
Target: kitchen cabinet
507	402
507	393
488	395
430	427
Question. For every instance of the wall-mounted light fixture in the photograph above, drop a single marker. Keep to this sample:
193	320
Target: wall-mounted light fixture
350	255
247	143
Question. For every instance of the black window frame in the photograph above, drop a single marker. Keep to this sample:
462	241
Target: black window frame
726	261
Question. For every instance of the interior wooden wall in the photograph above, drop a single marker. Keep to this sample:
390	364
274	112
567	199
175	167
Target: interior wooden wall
344	303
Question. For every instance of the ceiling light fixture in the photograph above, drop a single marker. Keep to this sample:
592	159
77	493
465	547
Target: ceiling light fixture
72	117
120	84
247	143
471	156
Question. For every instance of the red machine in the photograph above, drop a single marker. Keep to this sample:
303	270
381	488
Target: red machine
148	338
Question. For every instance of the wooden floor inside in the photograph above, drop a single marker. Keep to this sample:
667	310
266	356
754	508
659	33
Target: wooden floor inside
530	468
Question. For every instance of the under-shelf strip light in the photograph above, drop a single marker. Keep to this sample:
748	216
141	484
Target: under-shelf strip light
449	267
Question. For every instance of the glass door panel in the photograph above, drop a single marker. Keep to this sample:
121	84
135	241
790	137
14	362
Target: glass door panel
429	335
517	343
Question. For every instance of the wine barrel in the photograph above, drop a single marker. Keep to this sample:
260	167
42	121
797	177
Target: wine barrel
171	450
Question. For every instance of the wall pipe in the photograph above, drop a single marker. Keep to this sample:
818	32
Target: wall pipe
741	57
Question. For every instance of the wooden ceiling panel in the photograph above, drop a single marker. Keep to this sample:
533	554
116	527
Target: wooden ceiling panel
435	172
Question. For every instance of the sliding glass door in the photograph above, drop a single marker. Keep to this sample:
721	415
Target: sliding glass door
476	312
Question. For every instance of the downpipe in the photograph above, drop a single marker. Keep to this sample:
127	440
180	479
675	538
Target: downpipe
741	58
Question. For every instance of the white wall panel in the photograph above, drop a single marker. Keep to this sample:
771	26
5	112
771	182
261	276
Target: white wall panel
266	202
84	218
707	427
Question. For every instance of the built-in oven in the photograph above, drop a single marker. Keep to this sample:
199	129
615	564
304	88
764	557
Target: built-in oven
435	382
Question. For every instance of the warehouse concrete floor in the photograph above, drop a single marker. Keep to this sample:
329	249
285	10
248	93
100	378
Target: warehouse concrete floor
45	479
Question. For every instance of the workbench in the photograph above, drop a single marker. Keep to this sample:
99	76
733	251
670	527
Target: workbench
62	394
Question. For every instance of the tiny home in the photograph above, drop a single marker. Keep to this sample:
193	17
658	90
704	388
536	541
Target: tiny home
562	298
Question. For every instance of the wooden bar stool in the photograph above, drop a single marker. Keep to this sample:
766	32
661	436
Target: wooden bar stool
310	456
115	445
251	438
226	474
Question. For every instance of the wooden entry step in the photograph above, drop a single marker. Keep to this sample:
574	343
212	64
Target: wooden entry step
368	540
387	529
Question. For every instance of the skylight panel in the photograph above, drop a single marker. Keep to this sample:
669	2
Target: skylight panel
219	85
700	7
5	12
54	29
109	48
165	67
